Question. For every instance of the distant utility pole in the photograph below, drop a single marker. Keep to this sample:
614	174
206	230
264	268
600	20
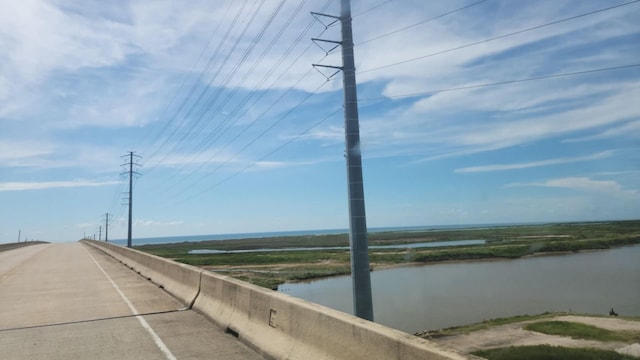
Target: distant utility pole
362	302
130	164
19	234
106	227
100	233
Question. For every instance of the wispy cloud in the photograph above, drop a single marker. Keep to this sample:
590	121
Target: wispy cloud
467	137
584	184
21	153
142	222
531	164
20	186
632	128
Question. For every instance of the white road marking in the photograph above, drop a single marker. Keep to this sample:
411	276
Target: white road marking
161	345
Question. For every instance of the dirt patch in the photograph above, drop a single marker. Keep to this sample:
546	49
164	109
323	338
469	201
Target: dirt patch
514	335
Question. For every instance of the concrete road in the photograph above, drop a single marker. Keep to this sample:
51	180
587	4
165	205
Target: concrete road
71	301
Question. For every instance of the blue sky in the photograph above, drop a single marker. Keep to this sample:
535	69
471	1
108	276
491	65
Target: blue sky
238	133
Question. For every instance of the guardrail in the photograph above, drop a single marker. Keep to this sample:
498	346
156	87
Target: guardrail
276	325
11	246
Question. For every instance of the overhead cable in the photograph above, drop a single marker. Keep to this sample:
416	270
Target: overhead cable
499	37
506	82
421	22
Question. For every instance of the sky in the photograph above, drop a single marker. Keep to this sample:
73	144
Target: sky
471	112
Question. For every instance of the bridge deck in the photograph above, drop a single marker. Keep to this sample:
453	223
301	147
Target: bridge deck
71	301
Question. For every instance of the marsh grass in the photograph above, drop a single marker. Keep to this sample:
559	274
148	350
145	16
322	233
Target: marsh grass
546	352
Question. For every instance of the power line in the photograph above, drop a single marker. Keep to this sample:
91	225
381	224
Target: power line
421	22
499	37
371	9
244	103
205	89
252	164
195	83
198	79
506	82
198	125
221	130
264	132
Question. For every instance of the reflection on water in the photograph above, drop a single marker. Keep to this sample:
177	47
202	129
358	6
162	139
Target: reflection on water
443	295
397	246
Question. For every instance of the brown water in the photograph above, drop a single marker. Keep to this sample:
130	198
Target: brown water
443	295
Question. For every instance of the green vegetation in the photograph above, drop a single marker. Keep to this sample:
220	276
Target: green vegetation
546	352
270	268
464	329
264	258
582	331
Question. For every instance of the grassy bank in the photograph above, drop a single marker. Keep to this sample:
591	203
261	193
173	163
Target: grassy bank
484	325
544	352
582	331
270	268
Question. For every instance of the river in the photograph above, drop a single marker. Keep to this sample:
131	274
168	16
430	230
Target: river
436	296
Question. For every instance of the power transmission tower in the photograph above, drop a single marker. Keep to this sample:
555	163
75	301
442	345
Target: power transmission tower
130	163
362	302
100	233
106	227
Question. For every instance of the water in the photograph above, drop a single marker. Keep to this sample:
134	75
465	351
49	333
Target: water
398	246
442	295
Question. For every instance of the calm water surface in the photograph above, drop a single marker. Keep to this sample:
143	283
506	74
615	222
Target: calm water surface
443	295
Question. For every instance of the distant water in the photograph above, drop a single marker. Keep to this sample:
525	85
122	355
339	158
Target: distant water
194	238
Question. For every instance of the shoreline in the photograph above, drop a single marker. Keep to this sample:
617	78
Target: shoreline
273	268
383	266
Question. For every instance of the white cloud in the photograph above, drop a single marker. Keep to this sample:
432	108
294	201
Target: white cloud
40	37
283	164
21	153
464	136
19	186
608	187
45	155
142	222
630	129
531	164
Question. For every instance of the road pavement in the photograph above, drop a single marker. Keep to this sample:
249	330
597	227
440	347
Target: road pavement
72	301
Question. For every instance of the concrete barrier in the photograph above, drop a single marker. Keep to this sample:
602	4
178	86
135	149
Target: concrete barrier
180	280
283	327
277	325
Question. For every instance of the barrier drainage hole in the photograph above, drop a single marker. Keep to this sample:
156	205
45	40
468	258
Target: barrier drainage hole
232	332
